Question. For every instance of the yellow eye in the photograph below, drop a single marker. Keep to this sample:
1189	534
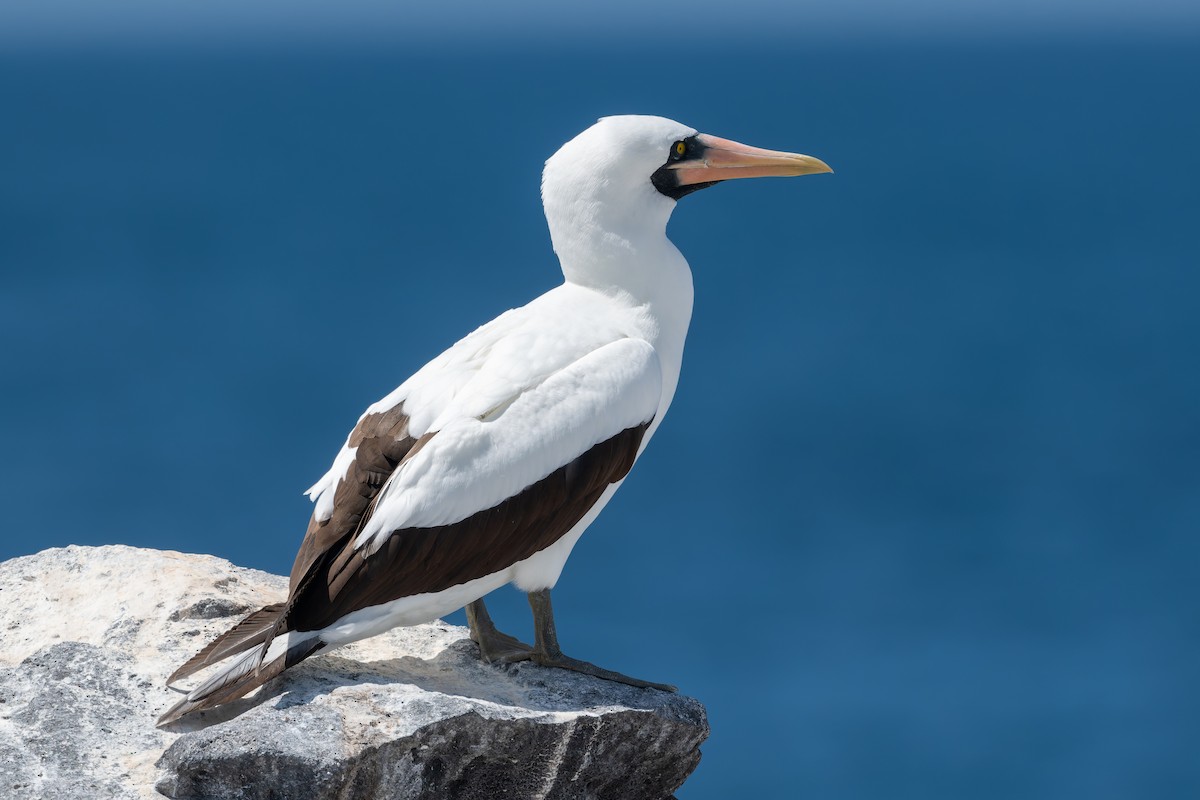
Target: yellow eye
680	148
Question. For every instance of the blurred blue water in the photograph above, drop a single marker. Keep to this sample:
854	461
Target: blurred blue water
922	521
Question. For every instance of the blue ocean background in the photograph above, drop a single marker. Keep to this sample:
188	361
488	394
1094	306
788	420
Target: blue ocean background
922	521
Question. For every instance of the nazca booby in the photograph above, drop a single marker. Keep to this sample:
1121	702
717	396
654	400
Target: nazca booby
486	466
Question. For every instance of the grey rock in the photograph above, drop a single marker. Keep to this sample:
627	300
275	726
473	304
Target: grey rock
88	636
209	608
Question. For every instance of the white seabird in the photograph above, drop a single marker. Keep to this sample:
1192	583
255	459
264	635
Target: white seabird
486	466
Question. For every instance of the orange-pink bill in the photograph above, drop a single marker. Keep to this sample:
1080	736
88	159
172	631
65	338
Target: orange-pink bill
723	160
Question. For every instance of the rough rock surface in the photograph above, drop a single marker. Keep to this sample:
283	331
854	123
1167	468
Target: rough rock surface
89	634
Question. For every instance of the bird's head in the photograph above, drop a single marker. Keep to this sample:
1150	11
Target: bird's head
633	153
613	187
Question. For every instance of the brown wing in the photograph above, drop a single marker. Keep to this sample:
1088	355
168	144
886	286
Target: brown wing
417	560
383	442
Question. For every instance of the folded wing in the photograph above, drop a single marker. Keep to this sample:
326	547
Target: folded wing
483	492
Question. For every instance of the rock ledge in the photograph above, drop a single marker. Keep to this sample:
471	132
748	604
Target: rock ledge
89	634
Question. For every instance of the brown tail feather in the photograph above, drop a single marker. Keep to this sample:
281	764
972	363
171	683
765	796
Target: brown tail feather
255	629
240	678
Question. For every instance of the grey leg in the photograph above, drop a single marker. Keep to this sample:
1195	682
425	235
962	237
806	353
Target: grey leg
547	652
494	647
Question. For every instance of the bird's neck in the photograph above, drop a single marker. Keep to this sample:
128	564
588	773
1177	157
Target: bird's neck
624	249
